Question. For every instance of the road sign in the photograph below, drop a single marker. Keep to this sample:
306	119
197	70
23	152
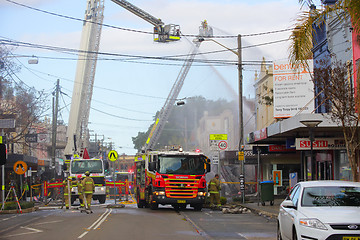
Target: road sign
215	158
241	155
20	167
242	182
223	145
112	155
218	136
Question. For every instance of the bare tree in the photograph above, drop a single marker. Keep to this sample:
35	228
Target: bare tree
336	84
18	101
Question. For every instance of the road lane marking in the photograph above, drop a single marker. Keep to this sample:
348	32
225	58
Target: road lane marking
102	215
82	235
241	235
97	223
103	219
33	230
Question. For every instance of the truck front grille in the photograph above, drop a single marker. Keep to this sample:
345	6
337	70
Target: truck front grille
181	188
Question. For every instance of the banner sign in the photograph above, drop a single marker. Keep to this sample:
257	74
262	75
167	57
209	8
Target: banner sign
293	89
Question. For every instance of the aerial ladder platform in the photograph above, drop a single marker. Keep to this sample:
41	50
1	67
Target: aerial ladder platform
205	31
77	132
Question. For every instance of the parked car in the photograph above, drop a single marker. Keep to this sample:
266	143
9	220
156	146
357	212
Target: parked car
321	210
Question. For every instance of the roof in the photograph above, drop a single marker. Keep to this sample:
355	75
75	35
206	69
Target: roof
278	132
325	183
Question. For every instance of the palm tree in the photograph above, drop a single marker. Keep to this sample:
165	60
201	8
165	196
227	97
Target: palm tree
334	86
302	35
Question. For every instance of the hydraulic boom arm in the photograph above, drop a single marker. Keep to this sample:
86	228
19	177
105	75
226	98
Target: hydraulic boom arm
204	31
162	32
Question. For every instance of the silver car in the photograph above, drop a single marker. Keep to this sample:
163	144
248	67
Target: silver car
321	210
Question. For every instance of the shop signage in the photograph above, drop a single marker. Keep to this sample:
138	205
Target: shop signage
31	138
260	134
280	149
320	143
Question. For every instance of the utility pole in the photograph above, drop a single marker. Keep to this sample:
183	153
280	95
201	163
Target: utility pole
241	123
241	117
54	125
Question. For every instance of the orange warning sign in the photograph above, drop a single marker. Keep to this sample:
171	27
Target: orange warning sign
20	167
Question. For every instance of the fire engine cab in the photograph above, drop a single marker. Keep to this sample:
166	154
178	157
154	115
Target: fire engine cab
171	177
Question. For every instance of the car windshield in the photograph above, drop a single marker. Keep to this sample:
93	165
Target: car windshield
81	166
331	196
193	165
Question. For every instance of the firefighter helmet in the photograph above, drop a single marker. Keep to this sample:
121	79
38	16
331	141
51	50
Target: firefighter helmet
87	173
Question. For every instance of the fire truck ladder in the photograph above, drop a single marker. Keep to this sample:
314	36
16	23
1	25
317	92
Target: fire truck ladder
204	31
77	133
162	32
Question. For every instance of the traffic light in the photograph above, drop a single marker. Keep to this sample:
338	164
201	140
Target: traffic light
2	154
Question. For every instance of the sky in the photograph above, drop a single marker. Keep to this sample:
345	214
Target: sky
127	94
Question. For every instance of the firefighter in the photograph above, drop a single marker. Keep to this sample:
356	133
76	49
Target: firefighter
88	188
80	191
67	184
214	190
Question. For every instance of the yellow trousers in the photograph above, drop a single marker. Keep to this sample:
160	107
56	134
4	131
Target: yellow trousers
88	197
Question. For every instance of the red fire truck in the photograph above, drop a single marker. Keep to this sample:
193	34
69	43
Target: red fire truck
171	177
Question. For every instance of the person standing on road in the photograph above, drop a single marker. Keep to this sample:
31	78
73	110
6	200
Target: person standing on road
214	190
88	188
80	191
67	184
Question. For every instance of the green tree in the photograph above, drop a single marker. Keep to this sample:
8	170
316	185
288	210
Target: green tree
302	35
334	81
183	122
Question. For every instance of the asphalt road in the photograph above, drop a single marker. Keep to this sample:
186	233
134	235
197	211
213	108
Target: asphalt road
133	223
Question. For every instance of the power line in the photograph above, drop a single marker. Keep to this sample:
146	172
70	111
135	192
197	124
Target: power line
139	31
125	118
164	58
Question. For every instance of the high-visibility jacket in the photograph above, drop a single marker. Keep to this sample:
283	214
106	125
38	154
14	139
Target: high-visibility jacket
79	187
66	189
214	185
88	185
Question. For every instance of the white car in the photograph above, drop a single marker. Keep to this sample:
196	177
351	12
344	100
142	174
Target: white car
321	210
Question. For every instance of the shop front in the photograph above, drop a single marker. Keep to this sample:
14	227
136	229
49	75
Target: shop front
327	162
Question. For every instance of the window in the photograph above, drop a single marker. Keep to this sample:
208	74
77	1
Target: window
331	196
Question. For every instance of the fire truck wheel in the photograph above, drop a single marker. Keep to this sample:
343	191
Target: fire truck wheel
140	203
102	199
198	207
153	205
73	198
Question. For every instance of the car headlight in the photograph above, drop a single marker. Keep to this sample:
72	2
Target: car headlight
73	189
102	189
201	193
312	222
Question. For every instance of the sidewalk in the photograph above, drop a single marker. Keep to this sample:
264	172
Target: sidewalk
271	211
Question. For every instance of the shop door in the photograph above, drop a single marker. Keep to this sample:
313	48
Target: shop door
324	165
324	170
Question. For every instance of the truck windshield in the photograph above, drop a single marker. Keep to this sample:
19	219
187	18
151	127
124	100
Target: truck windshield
193	165
81	166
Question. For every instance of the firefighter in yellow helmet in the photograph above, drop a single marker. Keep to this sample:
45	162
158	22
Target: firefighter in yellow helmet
80	191
214	190
88	188
67	185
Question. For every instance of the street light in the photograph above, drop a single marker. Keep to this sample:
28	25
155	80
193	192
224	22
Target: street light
311	124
